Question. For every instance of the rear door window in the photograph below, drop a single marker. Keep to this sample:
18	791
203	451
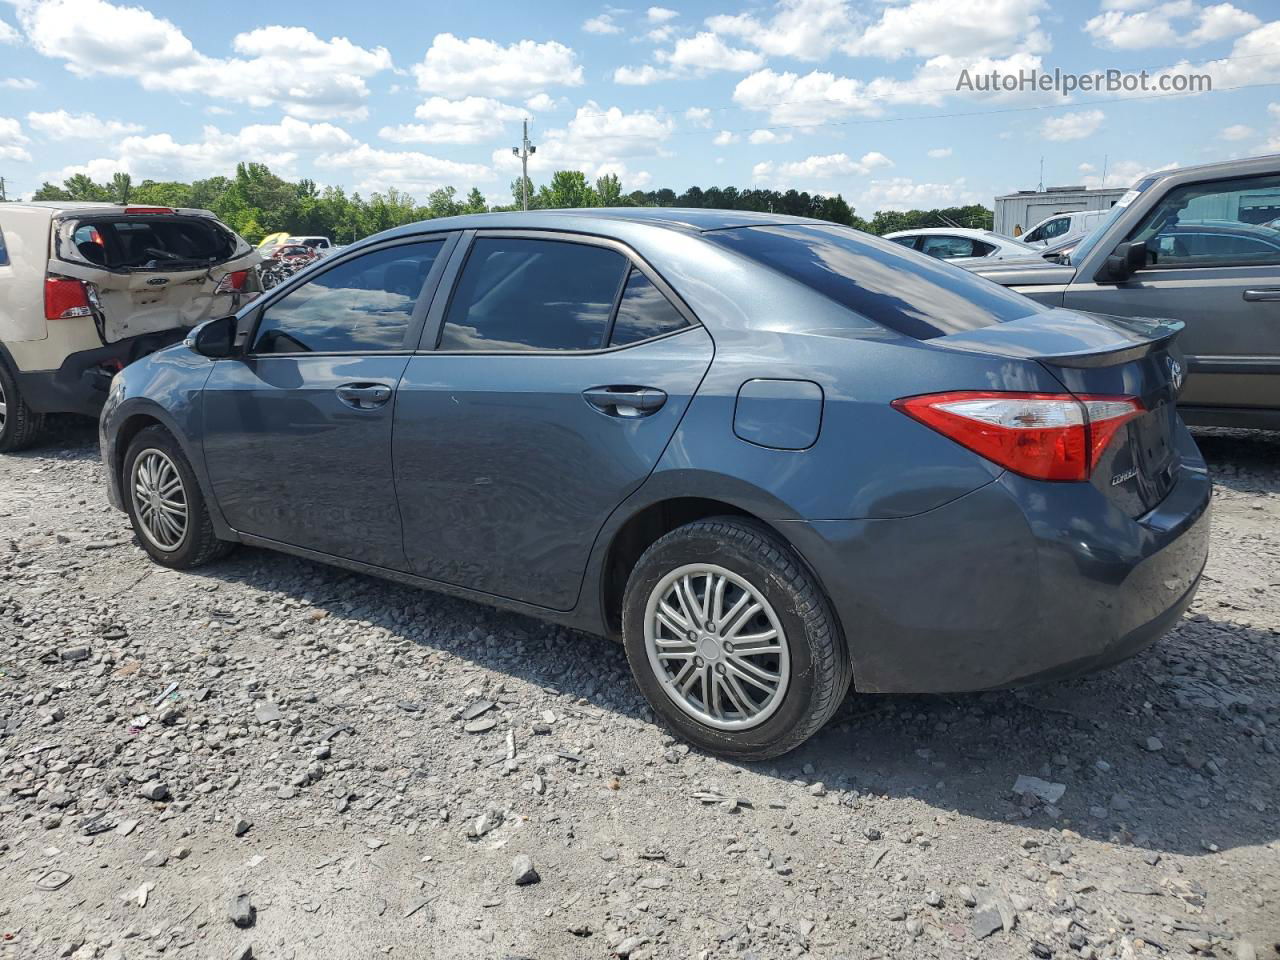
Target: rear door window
948	247
518	294
878	281
360	306
644	313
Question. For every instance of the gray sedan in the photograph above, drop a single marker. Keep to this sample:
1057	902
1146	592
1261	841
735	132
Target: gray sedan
773	456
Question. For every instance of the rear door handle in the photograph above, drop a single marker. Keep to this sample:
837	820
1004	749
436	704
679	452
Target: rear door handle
1263	294
626	401
364	396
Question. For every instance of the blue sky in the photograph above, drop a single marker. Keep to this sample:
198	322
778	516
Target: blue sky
823	95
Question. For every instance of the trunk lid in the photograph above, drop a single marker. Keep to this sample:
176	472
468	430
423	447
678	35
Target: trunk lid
152	271
1106	356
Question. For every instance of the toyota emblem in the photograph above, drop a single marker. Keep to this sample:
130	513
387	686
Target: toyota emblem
1175	374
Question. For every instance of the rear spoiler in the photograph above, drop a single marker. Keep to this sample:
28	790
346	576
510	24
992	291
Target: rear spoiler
1163	333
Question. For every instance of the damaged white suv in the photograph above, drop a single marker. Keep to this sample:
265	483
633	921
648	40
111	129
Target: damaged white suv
87	288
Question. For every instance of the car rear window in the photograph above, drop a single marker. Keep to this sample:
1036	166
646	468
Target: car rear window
879	280
152	242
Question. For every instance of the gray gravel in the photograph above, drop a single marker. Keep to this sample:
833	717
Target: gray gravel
276	759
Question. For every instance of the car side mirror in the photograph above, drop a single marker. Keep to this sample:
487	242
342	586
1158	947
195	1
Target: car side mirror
1123	263
216	339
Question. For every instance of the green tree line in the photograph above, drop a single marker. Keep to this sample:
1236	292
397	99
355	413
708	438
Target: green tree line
256	202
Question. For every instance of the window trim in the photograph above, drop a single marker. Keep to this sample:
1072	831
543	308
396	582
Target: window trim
417	318
433	330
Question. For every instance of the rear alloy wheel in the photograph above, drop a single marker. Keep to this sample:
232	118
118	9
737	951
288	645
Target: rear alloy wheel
165	503
732	641
19	424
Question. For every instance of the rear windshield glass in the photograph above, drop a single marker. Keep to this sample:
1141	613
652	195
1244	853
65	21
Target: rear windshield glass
915	295
152	242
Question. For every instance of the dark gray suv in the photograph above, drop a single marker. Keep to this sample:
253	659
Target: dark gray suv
771	454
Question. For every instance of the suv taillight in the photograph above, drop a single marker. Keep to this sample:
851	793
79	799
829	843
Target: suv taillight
65	298
1046	436
232	283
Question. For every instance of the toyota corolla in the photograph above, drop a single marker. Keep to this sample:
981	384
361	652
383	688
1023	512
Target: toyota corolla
774	456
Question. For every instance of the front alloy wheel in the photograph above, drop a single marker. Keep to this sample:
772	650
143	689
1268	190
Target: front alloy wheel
159	500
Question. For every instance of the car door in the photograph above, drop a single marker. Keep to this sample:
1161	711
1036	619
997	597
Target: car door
297	434
1226	291
546	391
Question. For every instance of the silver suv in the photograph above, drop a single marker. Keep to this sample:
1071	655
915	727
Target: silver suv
87	288
1200	245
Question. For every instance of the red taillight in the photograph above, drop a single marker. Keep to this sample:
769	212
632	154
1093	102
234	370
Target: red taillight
133	210
64	299
232	283
1046	436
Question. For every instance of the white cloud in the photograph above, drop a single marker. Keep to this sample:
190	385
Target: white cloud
1253	59
18	83
724	138
61	125
758	137
903	193
456	67
698	116
706	51
324	78
161	157
1120	29
640	76
406	170
13	141
928	28
601	24
8	34
820	167
1123	173
804	29
660	14
541	102
1072	126
595	139
1237	131
940	153
469	120
659	34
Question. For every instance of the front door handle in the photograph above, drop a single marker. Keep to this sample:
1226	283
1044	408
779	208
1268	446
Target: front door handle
1263	294
364	396
625	401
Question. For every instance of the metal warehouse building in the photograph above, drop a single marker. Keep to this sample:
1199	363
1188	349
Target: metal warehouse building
1026	208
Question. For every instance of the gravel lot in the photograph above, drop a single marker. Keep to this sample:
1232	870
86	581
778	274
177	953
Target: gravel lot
275	759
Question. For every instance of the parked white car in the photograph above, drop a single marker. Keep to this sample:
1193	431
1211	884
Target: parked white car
957	243
88	288
1063	226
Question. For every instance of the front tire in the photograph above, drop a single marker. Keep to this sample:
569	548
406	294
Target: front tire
165	503
19	424
732	640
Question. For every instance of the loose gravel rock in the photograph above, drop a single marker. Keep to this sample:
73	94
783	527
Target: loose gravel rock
361	762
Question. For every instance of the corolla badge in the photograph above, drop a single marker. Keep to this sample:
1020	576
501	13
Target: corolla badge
1175	374
157	281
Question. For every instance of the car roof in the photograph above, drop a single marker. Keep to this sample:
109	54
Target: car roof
691	220
949	231
95	206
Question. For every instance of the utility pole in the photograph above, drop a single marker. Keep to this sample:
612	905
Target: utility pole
3	198
524	152
1040	187
1105	158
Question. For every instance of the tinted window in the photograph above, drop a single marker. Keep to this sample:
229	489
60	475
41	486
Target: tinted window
879	281
644	312
517	294
363	304
1220	223
905	241
948	247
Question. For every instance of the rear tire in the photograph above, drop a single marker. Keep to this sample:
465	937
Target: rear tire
772	677
165	503
19	425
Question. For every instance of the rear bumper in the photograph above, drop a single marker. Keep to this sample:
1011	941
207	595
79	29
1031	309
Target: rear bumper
1017	582
80	385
